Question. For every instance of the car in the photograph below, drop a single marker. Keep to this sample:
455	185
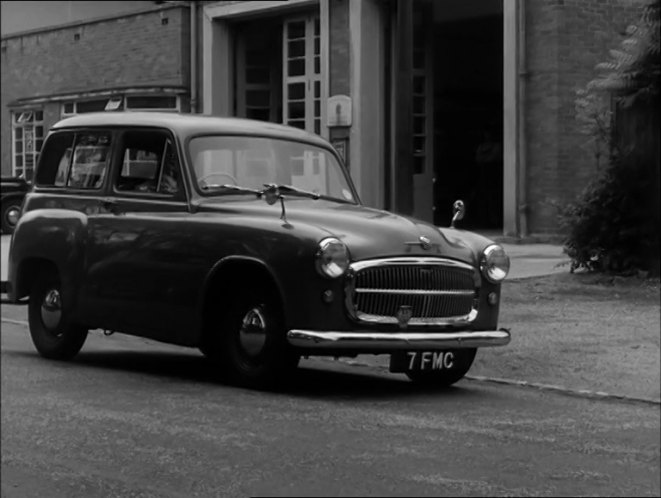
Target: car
246	240
12	192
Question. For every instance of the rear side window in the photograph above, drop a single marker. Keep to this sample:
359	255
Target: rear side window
76	160
54	160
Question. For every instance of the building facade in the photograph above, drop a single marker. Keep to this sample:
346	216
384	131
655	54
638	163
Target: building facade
427	101
131	60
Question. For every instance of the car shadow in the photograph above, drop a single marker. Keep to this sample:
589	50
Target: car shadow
313	379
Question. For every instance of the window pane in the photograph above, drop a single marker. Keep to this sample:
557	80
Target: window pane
296	91
317	89
317	65
68	108
297	48
296	110
151	102
39	131
39	116
91	106
296	67
297	124
418	105
19	132
19	160
296	30
18	147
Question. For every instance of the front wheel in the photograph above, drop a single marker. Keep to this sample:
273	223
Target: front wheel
461	363
11	210
251	344
53	334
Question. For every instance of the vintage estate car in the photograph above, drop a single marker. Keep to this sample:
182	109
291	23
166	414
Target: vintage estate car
12	192
244	239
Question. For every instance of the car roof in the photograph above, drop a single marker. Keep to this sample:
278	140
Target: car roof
189	124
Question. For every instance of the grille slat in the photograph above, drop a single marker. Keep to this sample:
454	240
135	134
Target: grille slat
433	291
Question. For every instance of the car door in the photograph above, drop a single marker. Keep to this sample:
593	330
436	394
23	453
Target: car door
136	265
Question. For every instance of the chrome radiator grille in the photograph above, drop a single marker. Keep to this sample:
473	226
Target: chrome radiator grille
438	291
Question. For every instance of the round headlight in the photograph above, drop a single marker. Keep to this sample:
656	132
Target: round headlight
332	258
495	263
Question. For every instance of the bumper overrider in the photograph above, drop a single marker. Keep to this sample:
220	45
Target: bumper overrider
386	341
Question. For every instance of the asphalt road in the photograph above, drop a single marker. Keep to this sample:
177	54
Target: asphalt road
131	417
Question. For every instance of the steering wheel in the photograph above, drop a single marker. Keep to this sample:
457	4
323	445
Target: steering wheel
202	181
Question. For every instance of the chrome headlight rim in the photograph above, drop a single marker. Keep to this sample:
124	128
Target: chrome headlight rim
494	264
332	259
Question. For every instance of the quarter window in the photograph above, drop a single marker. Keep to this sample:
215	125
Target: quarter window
89	161
27	138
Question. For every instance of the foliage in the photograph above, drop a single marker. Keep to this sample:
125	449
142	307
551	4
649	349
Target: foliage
609	228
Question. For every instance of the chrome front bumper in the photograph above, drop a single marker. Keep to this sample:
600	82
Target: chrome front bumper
376	341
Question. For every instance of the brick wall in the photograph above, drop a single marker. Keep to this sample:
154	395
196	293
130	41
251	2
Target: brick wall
565	40
134	50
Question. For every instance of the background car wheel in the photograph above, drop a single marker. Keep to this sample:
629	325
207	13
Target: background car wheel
253	349
53	334
10	213
463	359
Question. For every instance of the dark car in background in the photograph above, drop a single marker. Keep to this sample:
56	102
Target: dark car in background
244	239
13	190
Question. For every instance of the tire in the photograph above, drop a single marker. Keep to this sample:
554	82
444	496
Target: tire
463	360
249	343
9	209
52	331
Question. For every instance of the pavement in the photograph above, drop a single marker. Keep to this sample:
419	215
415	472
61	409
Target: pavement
526	260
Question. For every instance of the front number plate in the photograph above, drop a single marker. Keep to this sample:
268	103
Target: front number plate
416	361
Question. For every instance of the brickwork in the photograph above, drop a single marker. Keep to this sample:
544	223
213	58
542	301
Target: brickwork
565	40
147	49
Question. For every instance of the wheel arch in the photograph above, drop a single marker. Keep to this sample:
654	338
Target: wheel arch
29	270
226	275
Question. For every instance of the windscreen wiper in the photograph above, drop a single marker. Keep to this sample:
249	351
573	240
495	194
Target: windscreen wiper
233	188
288	189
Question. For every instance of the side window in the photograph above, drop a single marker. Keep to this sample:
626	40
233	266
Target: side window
90	157
54	160
149	165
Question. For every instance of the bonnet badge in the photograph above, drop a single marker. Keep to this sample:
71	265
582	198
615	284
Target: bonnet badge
404	315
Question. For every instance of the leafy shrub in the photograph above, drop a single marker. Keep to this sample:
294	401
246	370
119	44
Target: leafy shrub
614	224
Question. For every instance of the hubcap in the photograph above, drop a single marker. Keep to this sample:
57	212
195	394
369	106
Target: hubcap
252	335
51	309
12	216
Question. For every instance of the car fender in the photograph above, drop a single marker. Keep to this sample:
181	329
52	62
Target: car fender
54	236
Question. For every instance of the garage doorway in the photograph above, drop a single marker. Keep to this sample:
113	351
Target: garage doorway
467	93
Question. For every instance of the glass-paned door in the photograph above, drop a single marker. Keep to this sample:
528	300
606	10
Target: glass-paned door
27	138
302	73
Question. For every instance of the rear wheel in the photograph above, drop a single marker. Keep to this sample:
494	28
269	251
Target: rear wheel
249	343
53	334
461	363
